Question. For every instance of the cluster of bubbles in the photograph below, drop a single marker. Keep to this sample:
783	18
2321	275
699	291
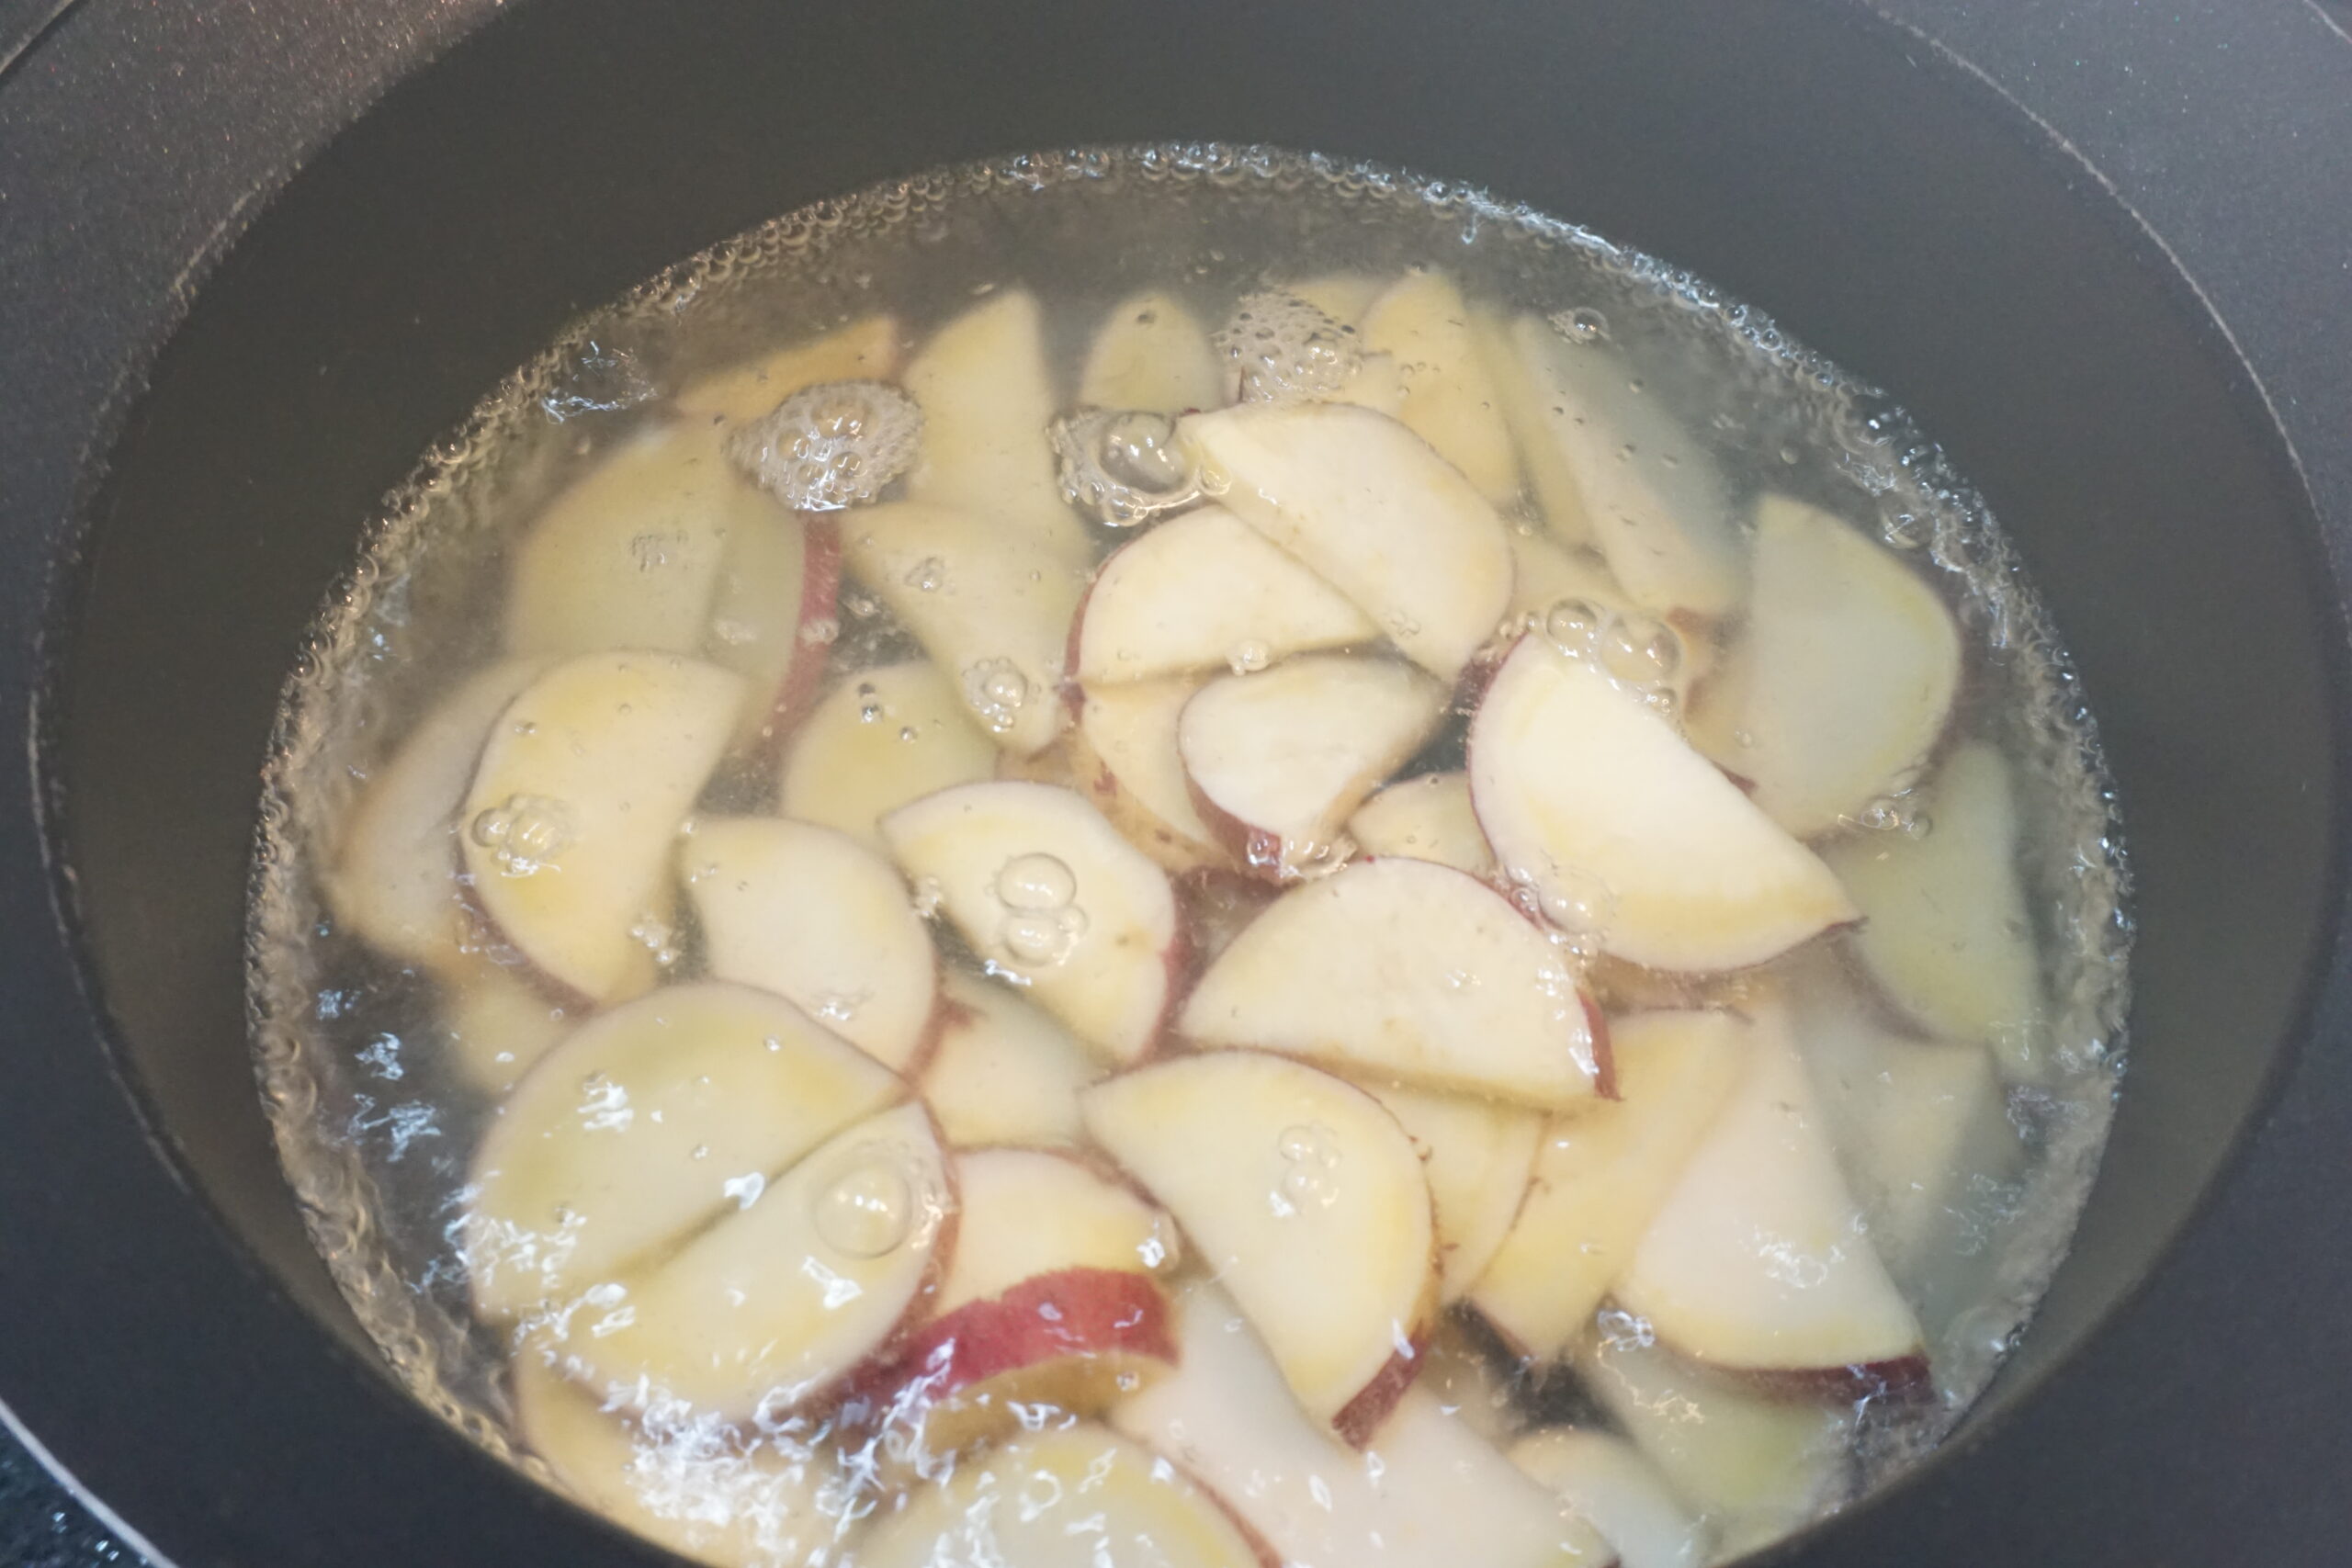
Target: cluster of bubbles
1042	920
830	445
1122	467
996	690
1280	348
1574	904
523	832
1639	651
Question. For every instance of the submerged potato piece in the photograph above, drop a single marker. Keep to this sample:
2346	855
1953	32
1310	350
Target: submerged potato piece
1405	969
987	396
496	1024
1526	410
1946	931
716	1498
1602	1173
1303	1196
887	735
1150	353
1369	508
1479	1154
1049	895
395	875
774	1305
1661	516
865	350
628	555
641	1125
1450	400
1075	1496
1278	761
1200	593
1610	1482
579	793
1593	799
1758	1259
992	609
1003	1072
1123	754
1429	818
1842	681
819	919
1429	1492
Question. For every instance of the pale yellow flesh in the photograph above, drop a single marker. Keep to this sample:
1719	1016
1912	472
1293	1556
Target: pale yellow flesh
628	555
1003	1072
1588	793
1526	410
1342	296
865	350
819	919
1450	400
765	1308
591	1162
1946	934
1550	571
1124	753
497	1025
763	618
1843	679
1405	969
981	600
1662	517
1074	1496
1759	1258
1755	1466
1289	754
395	877
1429	818
1922	1130
1365	504
614	748
1479	1154
845	769
1429	1492
1026	1213
986	397
1608	1480
1602	1173
1200	590
1298	1191
1151	354
1109	983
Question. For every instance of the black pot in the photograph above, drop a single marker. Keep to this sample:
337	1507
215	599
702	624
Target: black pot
255	257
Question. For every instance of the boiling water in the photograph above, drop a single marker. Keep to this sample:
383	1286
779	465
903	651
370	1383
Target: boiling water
381	1084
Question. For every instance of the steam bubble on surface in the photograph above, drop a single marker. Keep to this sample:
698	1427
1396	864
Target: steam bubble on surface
1122	467
1280	348
831	445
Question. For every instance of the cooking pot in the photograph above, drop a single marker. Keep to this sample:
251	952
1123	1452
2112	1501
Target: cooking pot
255	256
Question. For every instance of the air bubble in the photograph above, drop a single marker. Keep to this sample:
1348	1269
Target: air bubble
1582	325
1904	530
1573	626
928	575
1310	1155
996	689
868	1209
830	445
1041	937
524	833
1640	650
1280	348
1249	656
1123	466
1037	882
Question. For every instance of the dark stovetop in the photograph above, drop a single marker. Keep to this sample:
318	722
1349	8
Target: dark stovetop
40	1527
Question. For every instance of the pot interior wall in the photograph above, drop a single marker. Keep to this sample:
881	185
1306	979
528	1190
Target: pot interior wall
1886	208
